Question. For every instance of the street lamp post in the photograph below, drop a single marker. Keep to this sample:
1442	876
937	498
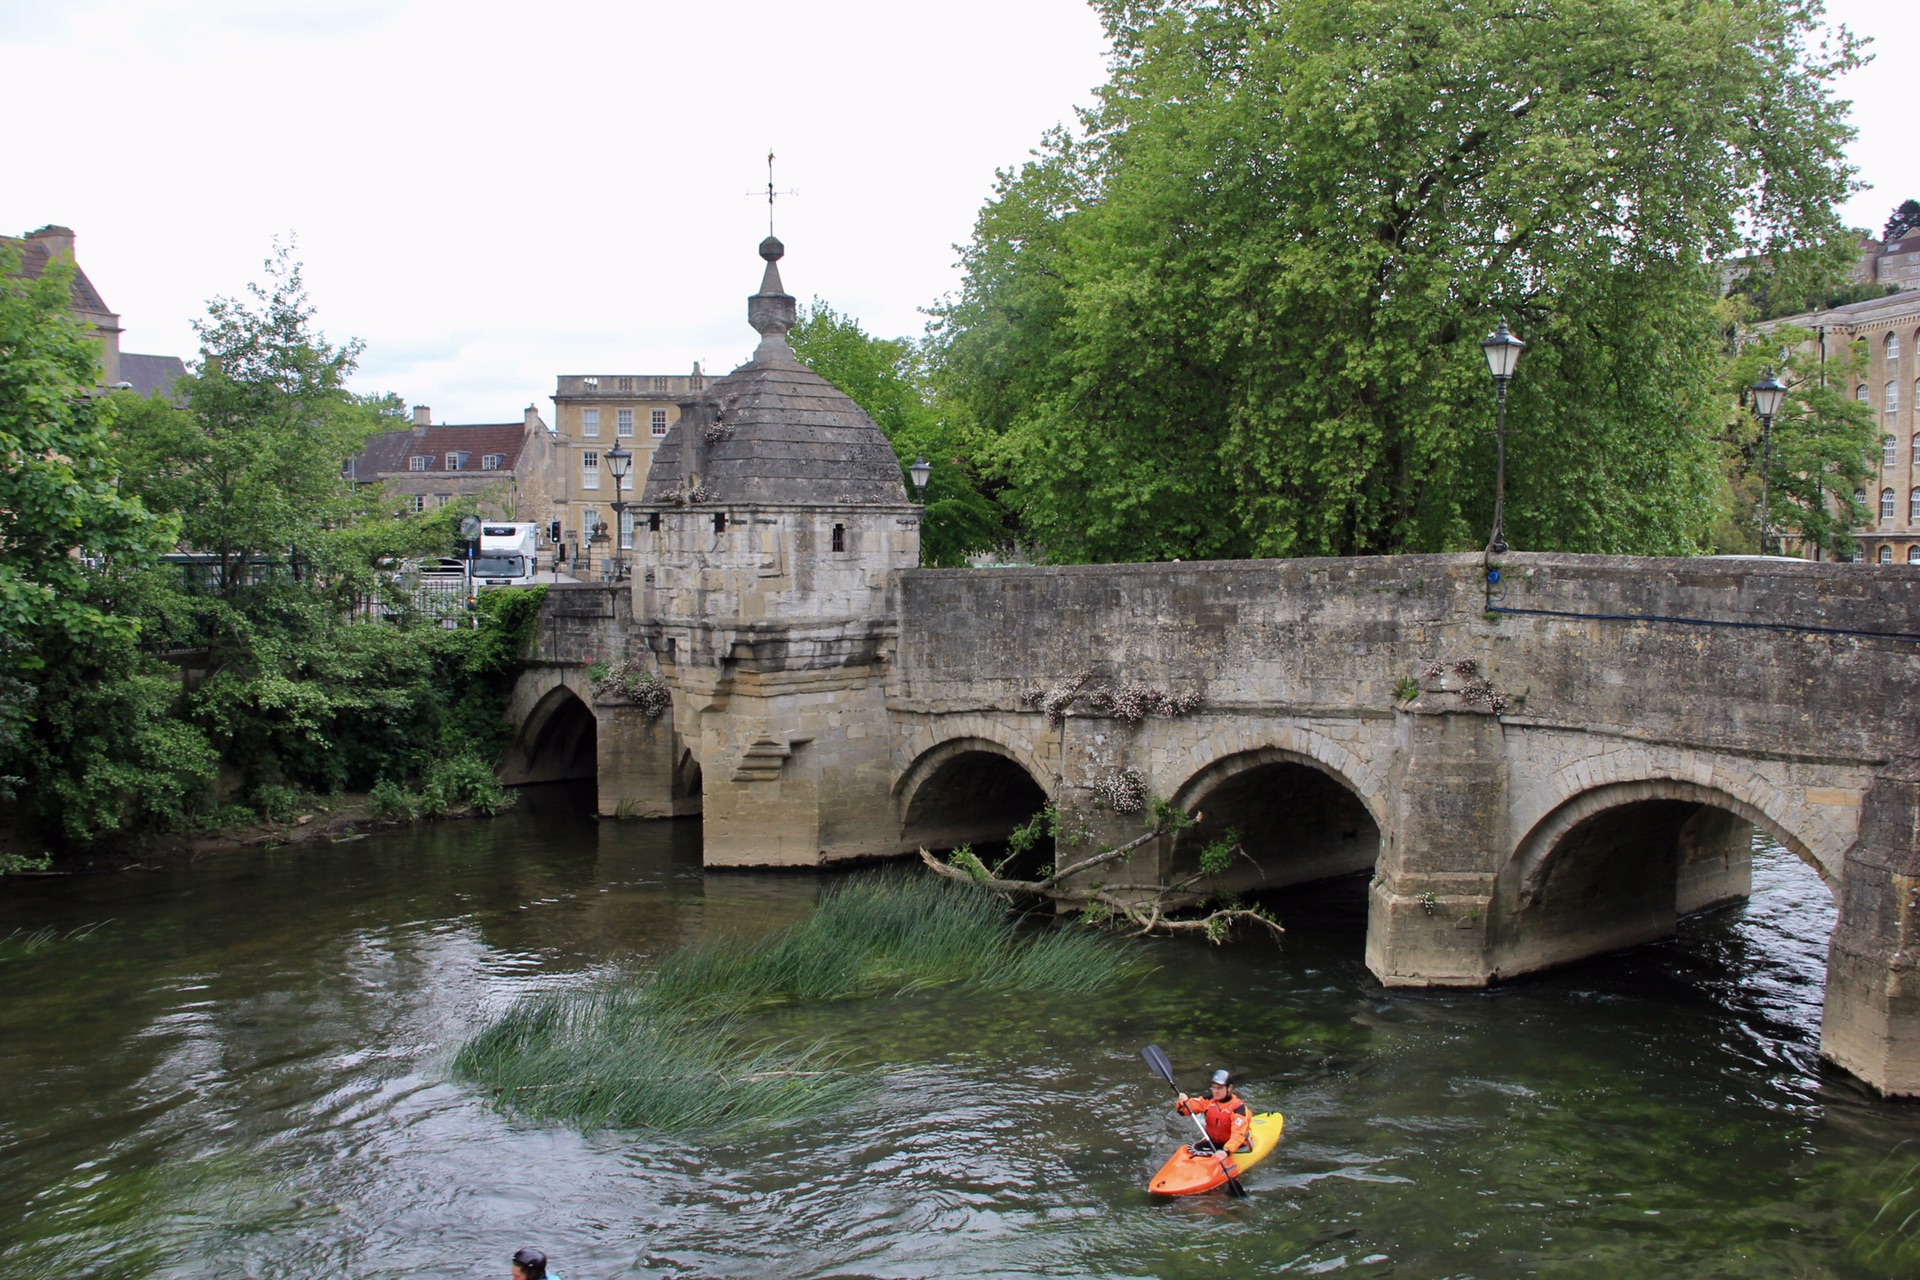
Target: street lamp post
1502	350
921	471
1768	394
619	461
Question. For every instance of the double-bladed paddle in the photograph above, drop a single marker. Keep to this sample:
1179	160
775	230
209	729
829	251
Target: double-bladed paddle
1157	1062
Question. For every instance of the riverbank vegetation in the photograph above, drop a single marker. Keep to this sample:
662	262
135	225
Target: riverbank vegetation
200	623
675	1049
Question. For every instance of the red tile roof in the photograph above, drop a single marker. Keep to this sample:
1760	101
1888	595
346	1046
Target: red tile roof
35	256
387	454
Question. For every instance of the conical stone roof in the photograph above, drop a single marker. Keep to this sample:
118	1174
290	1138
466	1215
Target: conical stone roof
773	431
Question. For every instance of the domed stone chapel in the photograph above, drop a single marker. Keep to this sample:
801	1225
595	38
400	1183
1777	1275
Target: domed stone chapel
767	544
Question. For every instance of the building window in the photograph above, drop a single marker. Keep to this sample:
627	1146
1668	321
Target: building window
1889	451
659	384
442	499
590	423
1913	554
653	523
623	422
1860	393
416	502
659	422
1916	448
454	460
626	384
1893	349
1886	504
418	462
1893	400
839	537
589	521
589	470
719	522
626	530
1886	555
492	461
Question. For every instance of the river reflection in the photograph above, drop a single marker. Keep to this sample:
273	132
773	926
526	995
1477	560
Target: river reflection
243	1072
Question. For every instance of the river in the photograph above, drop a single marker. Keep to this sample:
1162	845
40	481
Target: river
242	1070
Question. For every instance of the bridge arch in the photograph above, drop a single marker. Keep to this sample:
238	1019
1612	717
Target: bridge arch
556	738
1620	863
1298	816
966	790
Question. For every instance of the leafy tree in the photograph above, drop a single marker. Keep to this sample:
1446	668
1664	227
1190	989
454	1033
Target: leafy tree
253	464
1239	314
1822	442
1904	218
62	513
83	717
888	378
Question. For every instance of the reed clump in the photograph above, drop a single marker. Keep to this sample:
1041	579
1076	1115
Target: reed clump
673	1050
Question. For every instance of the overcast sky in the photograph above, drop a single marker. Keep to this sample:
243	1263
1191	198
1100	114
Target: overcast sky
492	194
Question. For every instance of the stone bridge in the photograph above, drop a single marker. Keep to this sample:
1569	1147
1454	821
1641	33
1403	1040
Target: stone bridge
1536	760
1554	766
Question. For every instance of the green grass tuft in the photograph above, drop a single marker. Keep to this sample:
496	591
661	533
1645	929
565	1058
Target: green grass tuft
673	1050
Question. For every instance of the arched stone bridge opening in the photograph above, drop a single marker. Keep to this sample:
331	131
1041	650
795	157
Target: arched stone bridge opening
971	791
1294	820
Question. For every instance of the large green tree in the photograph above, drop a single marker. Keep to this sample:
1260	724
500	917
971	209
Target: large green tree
1238	312
888	378
63	515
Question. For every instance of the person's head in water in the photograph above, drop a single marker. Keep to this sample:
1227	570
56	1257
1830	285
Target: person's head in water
529	1264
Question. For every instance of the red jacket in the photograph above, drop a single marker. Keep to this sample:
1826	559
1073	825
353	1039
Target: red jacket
1227	1121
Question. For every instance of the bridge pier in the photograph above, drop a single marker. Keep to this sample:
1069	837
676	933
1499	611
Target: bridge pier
1430	910
1871	1025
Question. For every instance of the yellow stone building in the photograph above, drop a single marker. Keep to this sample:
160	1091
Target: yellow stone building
593	414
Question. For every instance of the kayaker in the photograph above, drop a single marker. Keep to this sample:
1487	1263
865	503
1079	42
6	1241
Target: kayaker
531	1264
1226	1117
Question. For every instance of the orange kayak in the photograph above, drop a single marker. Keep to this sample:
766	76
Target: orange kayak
1185	1174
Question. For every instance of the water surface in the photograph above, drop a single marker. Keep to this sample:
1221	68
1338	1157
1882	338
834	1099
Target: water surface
243	1071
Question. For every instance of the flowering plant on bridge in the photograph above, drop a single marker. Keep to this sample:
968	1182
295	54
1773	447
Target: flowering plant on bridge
1124	701
634	682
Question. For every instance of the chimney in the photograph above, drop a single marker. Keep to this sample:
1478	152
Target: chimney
532	418
422	419
58	239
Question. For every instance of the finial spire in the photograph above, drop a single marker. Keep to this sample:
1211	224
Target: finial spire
772	311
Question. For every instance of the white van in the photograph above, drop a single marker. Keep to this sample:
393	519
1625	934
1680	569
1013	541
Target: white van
508	554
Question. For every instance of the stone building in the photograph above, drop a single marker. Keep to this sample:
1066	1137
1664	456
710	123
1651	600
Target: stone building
770	537
595	412
1890	327
508	466
119	370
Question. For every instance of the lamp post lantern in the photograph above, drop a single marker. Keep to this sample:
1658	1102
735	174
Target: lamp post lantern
921	471
619	461
1502	350
1768	395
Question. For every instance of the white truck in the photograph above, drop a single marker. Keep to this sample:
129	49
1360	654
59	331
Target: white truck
507	555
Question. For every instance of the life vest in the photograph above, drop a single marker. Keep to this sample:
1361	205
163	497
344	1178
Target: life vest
1226	1120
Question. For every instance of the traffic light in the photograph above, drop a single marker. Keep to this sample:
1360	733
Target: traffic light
553	531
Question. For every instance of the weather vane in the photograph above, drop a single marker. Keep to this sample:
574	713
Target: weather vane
771	193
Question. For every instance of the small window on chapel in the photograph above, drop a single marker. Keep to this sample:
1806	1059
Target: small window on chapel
719	522
839	537
653	523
